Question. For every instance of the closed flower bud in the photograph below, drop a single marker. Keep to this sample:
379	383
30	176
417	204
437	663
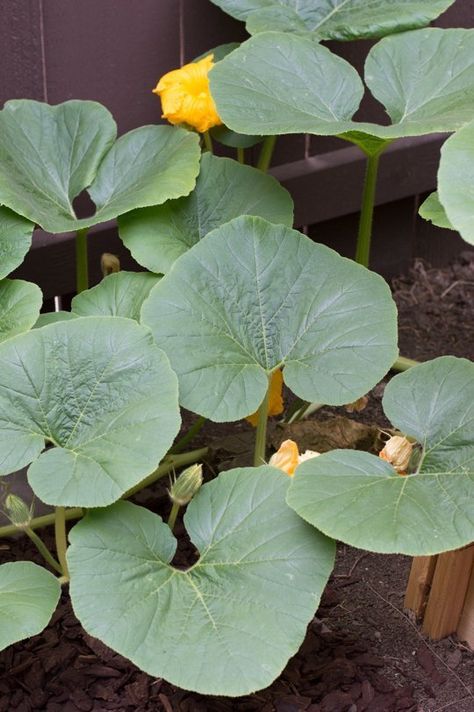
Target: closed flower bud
109	264
186	485
186	97
397	452
17	511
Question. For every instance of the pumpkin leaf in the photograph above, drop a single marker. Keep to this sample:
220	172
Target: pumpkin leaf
119	294
20	304
456	181
29	595
432	210
335	19
101	393
157	236
278	83
15	240
50	154
53	317
228	624
252	297
361	500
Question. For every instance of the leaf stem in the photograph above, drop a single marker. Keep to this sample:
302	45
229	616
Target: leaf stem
364	236
170	463
61	539
403	364
266	153
82	265
195	428
43	549
261	434
173	514
208	141
241	154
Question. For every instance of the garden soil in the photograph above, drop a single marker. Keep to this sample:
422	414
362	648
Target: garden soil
362	652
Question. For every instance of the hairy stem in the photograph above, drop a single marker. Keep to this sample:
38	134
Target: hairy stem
261	434
266	153
403	364
43	549
208	141
241	154
173	514
364	237
61	539
195	428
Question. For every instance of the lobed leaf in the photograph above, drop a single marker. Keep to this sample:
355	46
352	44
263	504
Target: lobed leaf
157	236
29	595
50	154
228	624
361	500
20	304
15	240
101	393
119	294
252	297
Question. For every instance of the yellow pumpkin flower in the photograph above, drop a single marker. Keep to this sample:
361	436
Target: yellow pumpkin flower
186	97
398	452
275	401
287	457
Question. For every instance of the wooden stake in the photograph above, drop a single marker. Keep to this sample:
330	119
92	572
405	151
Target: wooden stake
466	624
448	592
419	584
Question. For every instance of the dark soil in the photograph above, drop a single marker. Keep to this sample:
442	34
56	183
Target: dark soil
362	652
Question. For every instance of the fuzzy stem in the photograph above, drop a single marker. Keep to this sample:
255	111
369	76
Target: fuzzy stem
241	154
195	428
61	539
173	514
82	265
43	549
261	434
364	237
208	141
172	462
266	153
403	364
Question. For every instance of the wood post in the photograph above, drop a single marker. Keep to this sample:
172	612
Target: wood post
440	591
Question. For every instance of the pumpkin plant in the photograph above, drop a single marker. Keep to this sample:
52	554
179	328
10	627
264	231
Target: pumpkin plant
90	399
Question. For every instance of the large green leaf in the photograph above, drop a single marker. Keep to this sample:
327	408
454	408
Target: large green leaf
252	297
456	181
432	211
362	500
101	393
279	83
227	625
157	236
335	19
119	294
15	240
50	154
28	598
20	304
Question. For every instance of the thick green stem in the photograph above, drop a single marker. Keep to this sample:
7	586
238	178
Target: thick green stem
241	154
171	463
261	434
173	514
208	141
403	364
43	549
195	428
367	211
82	264
61	539
266	153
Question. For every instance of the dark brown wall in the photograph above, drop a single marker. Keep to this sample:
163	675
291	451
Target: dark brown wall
114	51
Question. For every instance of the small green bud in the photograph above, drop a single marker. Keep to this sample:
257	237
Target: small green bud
186	485
17	511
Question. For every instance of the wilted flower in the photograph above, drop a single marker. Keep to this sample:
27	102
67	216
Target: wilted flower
186	97
397	452
358	405
186	485
287	457
275	401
